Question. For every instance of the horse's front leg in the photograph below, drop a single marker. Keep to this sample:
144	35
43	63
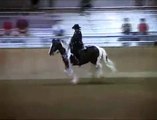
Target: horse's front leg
68	66
69	71
75	79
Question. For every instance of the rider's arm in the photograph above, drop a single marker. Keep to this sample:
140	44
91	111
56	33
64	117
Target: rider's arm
80	39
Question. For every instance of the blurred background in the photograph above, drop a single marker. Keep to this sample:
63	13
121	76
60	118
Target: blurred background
33	23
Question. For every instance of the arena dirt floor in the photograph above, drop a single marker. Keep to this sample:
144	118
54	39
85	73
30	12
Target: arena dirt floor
105	98
34	86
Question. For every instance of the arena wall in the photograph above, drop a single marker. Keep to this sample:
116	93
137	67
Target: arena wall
37	64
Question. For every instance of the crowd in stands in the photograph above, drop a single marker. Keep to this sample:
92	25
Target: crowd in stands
19	28
22	25
142	27
142	30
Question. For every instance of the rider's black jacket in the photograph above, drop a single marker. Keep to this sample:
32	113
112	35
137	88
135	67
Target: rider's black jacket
76	43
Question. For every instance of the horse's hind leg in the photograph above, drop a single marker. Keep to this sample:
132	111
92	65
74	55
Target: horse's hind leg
99	66
99	71
92	71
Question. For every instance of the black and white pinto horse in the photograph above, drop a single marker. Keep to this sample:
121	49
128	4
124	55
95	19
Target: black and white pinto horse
93	54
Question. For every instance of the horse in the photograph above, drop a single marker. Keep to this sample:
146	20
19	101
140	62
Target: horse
93	54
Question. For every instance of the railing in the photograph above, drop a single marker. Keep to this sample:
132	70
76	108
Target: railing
75	8
104	41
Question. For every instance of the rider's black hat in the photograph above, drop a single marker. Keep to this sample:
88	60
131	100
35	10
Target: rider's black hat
76	26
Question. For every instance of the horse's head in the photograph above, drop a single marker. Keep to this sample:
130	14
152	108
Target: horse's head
55	45
58	45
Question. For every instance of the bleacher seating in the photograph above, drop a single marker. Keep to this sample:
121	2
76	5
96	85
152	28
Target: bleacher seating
97	26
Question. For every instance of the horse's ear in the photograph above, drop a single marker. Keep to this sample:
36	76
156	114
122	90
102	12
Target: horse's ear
53	39
62	41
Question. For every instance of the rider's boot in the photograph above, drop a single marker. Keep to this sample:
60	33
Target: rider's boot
84	49
75	60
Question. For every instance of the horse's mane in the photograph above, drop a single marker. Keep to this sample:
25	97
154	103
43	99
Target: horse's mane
65	44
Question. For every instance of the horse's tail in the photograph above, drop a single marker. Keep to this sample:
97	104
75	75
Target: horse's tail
107	61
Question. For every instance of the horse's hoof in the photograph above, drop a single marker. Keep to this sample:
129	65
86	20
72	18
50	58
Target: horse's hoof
75	81
65	71
68	71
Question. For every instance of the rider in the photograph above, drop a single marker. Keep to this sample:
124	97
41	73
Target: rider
76	43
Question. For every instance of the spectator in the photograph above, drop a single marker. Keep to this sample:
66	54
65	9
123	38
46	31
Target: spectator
139	2
57	29
50	3
85	5
7	28
22	26
143	27
126	27
34	4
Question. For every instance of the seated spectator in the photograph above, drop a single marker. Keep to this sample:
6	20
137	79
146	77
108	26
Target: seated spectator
57	29
22	26
34	4
7	28
126	27
139	2
143	27
85	5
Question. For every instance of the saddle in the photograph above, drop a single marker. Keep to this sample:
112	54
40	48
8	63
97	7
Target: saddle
76	51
